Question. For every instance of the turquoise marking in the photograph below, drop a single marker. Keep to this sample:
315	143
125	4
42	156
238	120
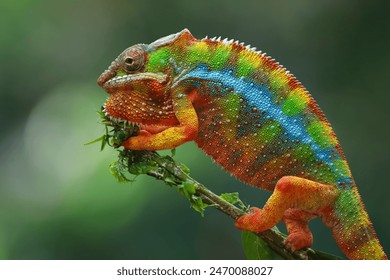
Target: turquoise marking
258	96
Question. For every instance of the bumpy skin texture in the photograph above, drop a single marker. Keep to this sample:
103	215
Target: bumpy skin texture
253	118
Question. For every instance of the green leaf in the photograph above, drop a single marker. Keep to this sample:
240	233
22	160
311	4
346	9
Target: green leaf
101	138
119	136
171	181
185	169
117	169
256	248
198	205
189	186
101	114
233	198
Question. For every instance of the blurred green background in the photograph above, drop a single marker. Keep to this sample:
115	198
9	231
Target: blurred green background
57	198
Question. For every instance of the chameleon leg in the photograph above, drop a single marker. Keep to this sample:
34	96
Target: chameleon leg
289	192
299	234
173	136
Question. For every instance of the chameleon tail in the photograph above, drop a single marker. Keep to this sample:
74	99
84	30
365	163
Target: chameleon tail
352	228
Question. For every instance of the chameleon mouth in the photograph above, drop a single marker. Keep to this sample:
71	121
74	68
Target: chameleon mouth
143	128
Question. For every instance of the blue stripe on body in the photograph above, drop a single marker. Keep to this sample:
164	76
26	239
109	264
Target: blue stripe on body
260	97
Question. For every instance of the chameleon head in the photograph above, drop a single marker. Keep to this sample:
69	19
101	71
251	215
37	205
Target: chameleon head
139	85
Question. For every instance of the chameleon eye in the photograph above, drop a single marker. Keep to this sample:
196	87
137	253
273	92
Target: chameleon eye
129	61
134	60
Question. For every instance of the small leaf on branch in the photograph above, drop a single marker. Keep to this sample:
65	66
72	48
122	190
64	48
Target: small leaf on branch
234	198
256	248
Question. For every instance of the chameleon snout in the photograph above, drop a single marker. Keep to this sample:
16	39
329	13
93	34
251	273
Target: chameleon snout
104	77
108	74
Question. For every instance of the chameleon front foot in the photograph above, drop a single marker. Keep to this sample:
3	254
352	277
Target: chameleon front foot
251	221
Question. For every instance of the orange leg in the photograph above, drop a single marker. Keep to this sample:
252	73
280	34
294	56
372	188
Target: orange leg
307	196
299	234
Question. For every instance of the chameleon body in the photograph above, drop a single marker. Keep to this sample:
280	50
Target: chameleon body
253	118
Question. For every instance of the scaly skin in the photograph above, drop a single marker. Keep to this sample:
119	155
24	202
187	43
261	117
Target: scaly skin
253	118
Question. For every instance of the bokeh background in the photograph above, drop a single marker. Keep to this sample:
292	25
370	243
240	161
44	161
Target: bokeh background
57	198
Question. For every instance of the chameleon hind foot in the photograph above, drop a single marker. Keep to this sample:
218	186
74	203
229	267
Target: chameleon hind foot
251	220
295	201
299	234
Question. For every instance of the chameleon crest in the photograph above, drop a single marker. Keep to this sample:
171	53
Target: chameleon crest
253	118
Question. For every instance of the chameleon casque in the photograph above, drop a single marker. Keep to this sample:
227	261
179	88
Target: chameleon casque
255	119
